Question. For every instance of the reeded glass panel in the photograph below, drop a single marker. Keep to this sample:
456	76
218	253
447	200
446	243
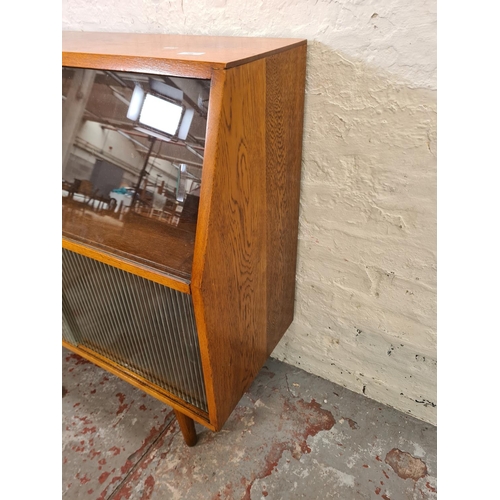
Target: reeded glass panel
141	325
132	155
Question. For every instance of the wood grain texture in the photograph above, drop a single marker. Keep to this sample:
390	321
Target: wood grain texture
243	279
186	425
229	273
214	119
176	55
141	383
285	85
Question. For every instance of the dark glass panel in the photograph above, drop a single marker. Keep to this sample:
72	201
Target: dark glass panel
130	178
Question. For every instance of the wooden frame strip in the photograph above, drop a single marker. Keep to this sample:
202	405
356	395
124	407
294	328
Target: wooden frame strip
133	64
218	81
129	267
141	383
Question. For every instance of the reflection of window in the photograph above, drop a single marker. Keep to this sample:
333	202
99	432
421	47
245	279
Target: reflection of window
160	114
159	111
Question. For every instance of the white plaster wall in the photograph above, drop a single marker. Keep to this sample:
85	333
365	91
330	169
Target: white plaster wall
366	292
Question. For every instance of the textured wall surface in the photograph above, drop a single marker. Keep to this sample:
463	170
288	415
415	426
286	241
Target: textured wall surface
366	293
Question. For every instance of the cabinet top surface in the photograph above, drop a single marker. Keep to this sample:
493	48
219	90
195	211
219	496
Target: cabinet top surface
218	52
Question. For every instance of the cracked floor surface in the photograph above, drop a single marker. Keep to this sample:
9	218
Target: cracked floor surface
292	436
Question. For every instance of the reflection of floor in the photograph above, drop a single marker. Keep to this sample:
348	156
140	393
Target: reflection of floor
140	237
292	436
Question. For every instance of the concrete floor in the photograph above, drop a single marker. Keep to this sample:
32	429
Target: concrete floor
293	435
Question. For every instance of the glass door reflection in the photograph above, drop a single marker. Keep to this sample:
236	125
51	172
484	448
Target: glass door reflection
132	150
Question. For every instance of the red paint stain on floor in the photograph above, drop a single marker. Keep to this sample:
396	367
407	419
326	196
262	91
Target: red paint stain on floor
122	407
405	465
83	480
352	424
149	485
126	466
226	494
103	477
273	457
429	487
86	420
141	458
312	419
77	359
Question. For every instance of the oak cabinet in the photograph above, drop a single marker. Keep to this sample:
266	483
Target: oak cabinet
181	180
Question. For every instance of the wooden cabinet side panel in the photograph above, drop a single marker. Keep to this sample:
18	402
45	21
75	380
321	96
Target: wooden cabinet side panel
229	269
285	83
208	356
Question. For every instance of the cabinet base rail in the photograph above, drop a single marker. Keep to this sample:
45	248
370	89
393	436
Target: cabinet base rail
185	416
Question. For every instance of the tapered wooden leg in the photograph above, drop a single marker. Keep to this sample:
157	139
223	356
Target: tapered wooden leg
187	428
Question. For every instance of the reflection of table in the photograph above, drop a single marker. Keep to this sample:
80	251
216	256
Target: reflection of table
88	195
81	201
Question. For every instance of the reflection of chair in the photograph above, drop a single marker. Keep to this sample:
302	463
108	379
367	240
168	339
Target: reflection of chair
159	201
85	188
82	187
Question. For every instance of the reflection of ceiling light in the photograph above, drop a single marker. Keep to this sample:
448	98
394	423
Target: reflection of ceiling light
134	110
160	112
185	124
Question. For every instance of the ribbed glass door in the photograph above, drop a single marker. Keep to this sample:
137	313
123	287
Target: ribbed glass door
139	324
